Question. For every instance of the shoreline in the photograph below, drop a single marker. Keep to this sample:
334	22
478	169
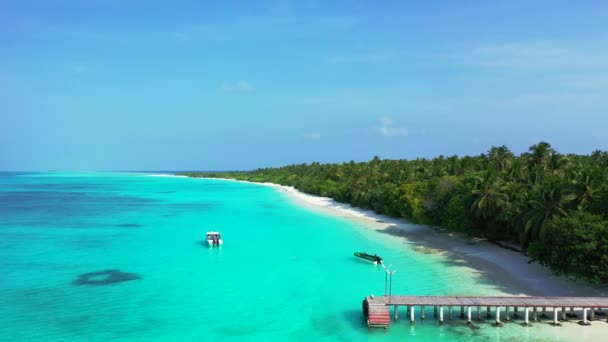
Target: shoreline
506	268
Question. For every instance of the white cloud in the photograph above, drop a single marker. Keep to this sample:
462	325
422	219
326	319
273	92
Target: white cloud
282	7
182	37
79	68
387	121
393	131
517	55
388	128
534	56
597	81
312	136
190	33
379	57
241	86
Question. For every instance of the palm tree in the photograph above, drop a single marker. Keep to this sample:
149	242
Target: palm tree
453	166
557	164
517	203
538	157
539	153
500	157
549	200
490	200
600	158
586	186
438	167
518	171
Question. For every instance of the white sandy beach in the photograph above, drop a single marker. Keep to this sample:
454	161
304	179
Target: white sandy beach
508	269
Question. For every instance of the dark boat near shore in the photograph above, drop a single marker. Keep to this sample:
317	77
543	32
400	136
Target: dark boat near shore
373	258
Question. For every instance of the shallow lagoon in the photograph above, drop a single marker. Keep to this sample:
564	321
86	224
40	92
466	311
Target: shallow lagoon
284	273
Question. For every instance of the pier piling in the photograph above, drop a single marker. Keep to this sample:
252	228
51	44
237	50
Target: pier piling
555	321
527	316
585	321
412	311
498	315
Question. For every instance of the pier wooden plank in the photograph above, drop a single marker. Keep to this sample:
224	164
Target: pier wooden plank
536	301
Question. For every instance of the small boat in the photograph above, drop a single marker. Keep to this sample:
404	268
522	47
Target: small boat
373	258
214	239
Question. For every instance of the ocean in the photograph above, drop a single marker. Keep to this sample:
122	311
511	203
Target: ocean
122	257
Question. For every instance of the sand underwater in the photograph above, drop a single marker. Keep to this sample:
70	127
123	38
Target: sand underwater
121	256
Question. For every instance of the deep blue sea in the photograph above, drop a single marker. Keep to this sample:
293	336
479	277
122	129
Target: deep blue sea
121	257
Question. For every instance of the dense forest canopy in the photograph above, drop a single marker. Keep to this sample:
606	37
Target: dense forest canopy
554	206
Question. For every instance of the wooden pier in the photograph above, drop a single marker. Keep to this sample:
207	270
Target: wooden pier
377	309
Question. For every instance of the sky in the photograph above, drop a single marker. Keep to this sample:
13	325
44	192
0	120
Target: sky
237	85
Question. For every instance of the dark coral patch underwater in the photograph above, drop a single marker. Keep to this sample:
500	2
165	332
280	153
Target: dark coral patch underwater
105	277
129	225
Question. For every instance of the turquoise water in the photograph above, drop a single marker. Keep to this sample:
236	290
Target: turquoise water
285	272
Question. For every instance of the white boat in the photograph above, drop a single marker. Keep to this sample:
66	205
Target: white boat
214	239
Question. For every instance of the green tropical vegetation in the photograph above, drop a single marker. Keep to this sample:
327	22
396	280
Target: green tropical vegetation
554	206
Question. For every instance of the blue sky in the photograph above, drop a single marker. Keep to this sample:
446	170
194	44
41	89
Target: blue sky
180	85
